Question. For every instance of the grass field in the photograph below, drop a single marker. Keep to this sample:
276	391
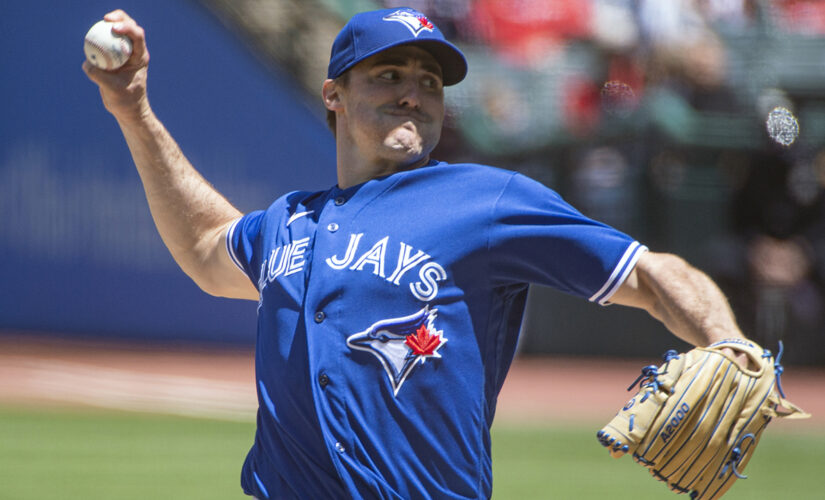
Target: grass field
90	454
568	463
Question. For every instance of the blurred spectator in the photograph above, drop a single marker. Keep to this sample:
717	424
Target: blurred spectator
690	100
801	16
526	31
613	25
680	44
672	24
733	15
449	15
684	53
780	238
581	105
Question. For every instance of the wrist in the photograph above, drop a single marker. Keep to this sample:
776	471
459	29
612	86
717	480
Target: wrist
140	113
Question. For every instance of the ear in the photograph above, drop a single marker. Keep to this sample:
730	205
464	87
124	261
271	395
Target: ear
331	95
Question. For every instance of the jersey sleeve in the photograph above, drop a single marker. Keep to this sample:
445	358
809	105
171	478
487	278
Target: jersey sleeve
242	242
537	237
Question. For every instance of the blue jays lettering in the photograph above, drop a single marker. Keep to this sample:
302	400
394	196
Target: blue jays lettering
289	259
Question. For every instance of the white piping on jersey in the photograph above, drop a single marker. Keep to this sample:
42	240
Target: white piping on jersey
620	273
229	249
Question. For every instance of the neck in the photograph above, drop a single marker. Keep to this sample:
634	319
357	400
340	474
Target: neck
354	168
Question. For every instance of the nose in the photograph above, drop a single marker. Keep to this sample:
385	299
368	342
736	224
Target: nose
410	96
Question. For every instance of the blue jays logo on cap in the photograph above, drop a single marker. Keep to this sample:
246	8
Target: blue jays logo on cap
416	22
401	344
369	33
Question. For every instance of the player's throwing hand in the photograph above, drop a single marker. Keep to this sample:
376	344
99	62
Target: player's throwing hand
124	90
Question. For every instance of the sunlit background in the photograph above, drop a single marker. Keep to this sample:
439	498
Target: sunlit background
697	126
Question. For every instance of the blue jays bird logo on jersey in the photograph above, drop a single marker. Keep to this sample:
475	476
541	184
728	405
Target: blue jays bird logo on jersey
401	344
415	21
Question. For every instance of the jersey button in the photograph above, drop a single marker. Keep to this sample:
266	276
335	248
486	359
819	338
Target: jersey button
332	227
323	380
320	316
340	201
340	448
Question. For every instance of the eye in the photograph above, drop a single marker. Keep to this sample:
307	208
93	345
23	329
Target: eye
389	75
380	335
431	82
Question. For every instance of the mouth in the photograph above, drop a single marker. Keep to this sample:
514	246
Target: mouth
407	113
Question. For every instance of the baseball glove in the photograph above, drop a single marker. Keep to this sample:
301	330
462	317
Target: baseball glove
696	420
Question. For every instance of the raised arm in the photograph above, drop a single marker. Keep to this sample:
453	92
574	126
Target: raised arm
191	216
685	299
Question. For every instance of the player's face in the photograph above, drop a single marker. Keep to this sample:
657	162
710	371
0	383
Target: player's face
394	105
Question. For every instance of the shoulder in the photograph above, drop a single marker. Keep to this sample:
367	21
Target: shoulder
293	201
473	184
484	174
473	177
279	211
473	170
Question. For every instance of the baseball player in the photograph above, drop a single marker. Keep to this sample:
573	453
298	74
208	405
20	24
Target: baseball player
389	305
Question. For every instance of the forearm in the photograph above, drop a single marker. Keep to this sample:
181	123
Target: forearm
689	303
190	215
685	299
188	212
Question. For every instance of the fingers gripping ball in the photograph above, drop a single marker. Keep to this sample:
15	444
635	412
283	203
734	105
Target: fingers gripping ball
106	49
695	421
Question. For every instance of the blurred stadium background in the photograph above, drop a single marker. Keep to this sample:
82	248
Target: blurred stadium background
647	114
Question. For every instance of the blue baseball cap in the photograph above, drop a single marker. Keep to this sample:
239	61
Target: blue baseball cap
369	33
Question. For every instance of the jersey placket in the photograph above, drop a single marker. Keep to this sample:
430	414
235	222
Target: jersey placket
326	342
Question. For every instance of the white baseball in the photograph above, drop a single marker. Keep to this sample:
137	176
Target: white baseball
105	49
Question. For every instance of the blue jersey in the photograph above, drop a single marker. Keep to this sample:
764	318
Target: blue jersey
388	319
